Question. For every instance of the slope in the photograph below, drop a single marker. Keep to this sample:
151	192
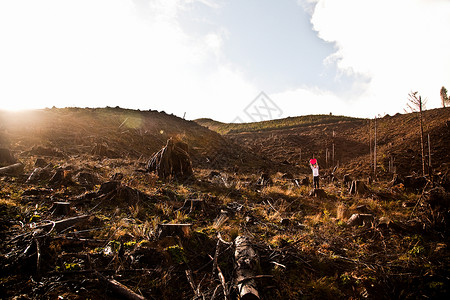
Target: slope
346	142
112	133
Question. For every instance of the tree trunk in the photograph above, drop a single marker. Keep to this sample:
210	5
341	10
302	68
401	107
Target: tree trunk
421	138
246	263
375	150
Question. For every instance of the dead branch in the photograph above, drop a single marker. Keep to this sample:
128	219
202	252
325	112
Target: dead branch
191	283
119	288
223	283
63	224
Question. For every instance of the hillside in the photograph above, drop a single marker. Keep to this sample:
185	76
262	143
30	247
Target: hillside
82	218
295	140
113	133
282	124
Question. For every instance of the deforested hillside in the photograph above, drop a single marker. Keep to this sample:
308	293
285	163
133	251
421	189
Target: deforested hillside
121	204
348	142
112	133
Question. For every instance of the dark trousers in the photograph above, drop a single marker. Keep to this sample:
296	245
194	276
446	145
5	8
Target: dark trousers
316	182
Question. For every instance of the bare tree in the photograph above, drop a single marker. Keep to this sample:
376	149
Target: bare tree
444	98
417	104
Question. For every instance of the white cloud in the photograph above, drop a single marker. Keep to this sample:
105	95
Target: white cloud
400	45
110	52
137	54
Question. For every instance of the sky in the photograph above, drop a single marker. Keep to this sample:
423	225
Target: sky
229	60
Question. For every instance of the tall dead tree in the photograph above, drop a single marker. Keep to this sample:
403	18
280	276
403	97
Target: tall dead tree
375	149
370	141
444	98
417	104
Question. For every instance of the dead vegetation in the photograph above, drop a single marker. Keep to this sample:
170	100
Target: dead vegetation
100	227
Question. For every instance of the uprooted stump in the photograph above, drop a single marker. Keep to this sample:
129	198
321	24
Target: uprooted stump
247	262
171	161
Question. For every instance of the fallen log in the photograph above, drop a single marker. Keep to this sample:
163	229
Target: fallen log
119	288
15	169
247	262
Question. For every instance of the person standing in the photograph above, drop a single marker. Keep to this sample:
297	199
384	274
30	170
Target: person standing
315	170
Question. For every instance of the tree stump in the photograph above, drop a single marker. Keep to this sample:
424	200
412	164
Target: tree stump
192	205
40	163
264	179
358	188
305	181
60	208
6	158
39	174
359	219
319	193
347	179
247	262
171	161
181	230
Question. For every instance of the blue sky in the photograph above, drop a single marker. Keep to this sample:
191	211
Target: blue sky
213	58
